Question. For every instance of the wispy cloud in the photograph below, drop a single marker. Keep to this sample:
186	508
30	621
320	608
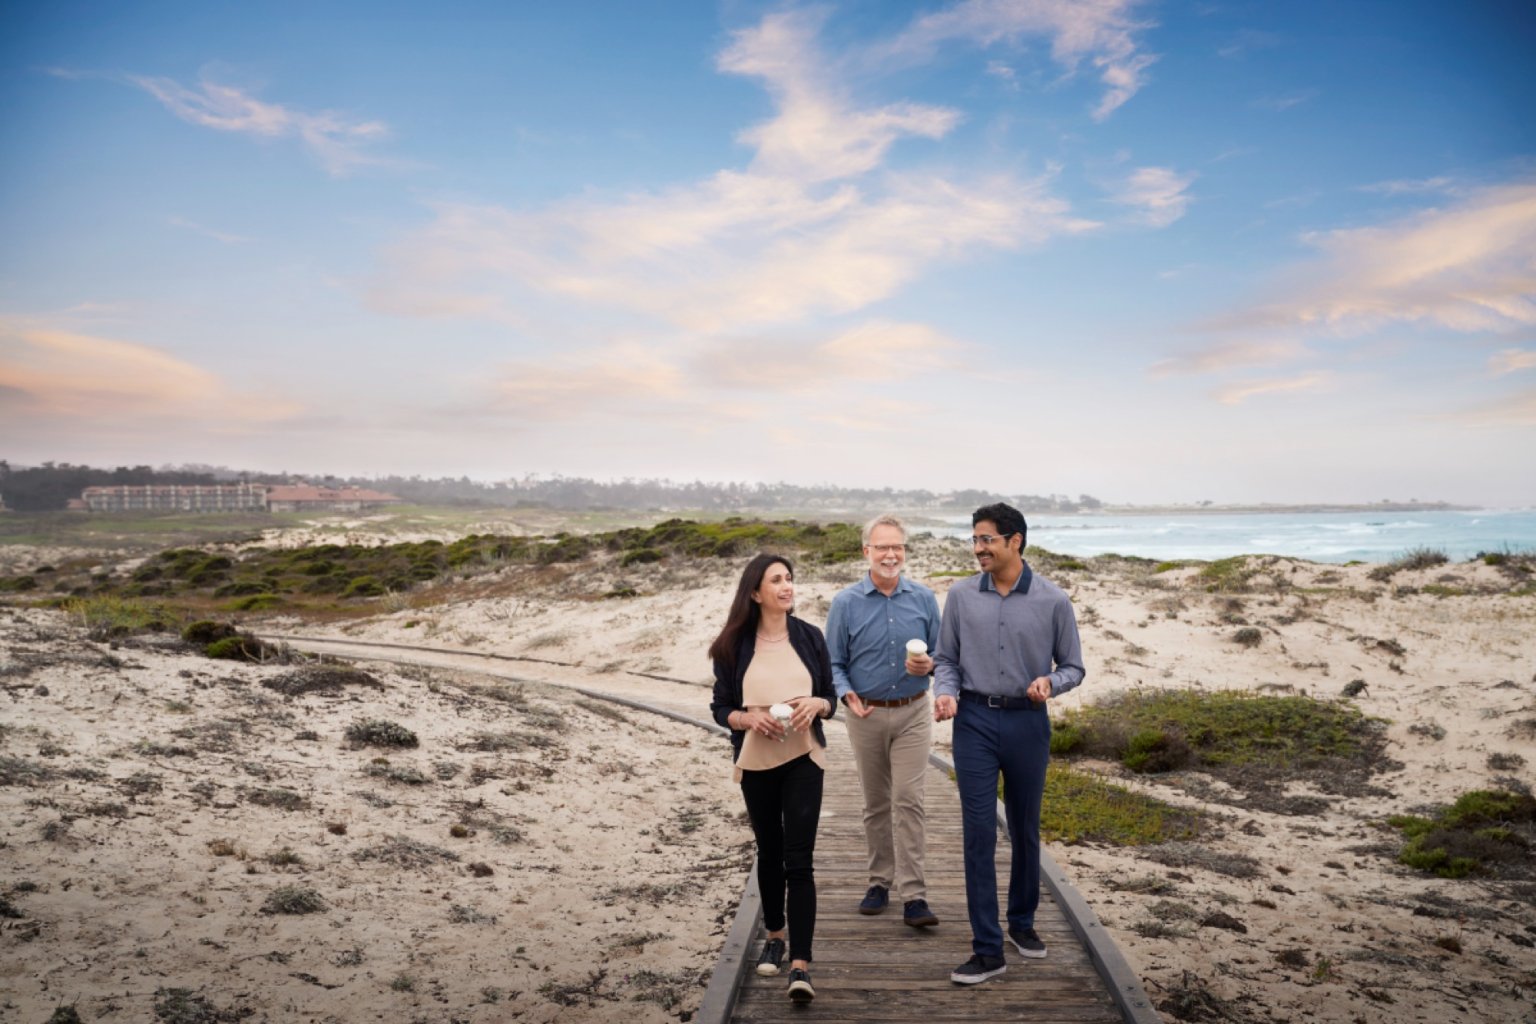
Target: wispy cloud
1468	267
102	380
1004	73
1103	32
1285	101
1510	360
1158	193
1234	355
610	381
218	236
1412	187
870	354
1516	410
335	139
1246	41
1240	391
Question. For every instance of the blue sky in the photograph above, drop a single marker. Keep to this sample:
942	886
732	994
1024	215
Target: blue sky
1145	251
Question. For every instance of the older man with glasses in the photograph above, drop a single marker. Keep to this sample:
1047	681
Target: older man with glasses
890	730
1008	643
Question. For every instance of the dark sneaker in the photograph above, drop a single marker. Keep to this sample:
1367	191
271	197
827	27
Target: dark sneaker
1027	943
875	900
800	989
917	914
773	957
978	969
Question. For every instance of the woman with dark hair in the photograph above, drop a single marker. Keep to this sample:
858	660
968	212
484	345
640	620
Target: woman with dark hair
766	657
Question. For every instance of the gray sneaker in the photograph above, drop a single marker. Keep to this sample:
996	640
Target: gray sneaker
978	969
1027	943
773	957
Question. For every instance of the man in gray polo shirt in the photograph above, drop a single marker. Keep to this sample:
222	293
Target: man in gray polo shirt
1007	644
890	729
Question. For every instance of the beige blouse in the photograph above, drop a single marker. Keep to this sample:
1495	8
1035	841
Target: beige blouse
775	675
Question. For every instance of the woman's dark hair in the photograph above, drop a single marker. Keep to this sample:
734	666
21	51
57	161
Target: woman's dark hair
744	614
1006	518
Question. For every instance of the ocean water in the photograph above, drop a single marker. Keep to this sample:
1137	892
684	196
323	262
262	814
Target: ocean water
1314	536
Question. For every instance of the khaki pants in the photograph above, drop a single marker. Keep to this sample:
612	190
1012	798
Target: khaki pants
890	749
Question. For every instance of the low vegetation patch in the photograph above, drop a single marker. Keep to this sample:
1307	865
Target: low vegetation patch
1413	558
106	616
293	899
1227	575
405	852
1081	808
1485	832
183	1006
242	647
1180	854
189	582
1254	742
378	732
325	679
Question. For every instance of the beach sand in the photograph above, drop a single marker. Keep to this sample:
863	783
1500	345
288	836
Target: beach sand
150	794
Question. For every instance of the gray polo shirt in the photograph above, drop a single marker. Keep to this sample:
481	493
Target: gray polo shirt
998	644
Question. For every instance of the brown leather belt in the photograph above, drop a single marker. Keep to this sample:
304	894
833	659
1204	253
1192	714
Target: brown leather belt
903	702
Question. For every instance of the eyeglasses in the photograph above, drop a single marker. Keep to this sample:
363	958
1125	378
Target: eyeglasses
986	539
888	549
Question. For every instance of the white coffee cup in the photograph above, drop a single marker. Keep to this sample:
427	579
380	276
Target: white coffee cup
916	647
783	712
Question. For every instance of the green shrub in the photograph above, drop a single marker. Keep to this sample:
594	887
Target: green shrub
1485	832
241	588
293	899
1248	636
1155	750
256	603
1227	575
205	631
242	647
641	557
364	586
1281	734
378	732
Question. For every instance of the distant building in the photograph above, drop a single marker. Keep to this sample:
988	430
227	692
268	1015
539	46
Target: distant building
230	498
176	498
304	498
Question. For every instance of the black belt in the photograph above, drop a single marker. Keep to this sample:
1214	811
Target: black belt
993	700
899	702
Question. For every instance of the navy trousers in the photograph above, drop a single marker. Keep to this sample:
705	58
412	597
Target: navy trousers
1016	744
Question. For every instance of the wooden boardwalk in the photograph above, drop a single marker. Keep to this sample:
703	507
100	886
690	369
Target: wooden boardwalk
873	969
878	969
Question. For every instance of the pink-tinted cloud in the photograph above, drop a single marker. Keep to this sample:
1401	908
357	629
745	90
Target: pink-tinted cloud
1467	267
1241	391
1510	360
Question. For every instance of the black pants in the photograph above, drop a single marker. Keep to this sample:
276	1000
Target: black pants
784	804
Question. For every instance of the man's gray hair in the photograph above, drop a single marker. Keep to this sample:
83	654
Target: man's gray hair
884	520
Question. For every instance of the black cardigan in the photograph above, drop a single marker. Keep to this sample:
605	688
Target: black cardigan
812	648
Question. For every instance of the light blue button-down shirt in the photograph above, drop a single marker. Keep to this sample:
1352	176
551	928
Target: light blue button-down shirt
867	636
999	644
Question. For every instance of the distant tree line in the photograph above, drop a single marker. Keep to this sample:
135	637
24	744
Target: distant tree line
49	486
572	493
